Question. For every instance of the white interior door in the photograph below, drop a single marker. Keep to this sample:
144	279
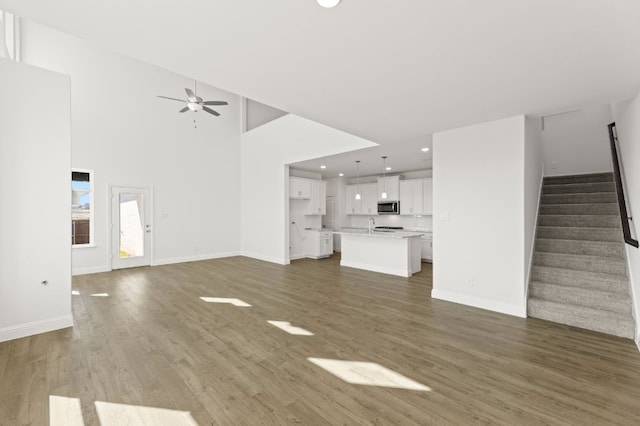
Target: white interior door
130	227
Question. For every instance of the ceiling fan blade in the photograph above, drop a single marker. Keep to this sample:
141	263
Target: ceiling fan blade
210	111
216	103
173	99
185	109
192	96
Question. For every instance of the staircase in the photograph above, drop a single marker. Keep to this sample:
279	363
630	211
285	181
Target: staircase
579	274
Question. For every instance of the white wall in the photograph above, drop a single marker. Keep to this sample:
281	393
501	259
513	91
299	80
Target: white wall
258	114
478	228
533	174
129	137
266	150
35	188
577	142
627	118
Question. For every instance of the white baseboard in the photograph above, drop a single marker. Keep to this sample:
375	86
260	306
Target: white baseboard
90	270
375	268
477	302
271	259
638	341
173	260
297	256
35	327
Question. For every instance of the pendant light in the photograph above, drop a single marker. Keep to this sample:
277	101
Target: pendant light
358	196
384	177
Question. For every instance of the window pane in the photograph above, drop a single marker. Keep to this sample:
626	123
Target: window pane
81	208
131	227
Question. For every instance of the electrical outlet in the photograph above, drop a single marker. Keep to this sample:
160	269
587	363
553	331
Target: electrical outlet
554	165
471	282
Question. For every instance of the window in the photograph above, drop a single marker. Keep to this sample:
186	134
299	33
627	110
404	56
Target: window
9	36
81	208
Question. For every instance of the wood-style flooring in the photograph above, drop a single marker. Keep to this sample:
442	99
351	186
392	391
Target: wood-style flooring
152	342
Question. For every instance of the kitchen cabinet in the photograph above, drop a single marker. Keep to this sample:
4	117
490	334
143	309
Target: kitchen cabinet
392	185
353	206
370	199
411	197
427	196
318	204
299	188
368	202
427	247
318	244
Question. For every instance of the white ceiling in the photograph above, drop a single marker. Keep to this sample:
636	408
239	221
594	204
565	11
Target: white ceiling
388	71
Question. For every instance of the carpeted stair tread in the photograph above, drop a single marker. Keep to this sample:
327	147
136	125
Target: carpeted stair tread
585	178
588	248
582	317
578	262
584	279
579	271
580	209
579	233
590	221
593	197
606	300
576	188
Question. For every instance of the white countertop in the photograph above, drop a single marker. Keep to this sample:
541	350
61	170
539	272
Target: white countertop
377	234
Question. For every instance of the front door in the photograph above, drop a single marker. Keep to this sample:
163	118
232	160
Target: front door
130	227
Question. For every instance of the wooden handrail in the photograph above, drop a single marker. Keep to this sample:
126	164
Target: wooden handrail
626	229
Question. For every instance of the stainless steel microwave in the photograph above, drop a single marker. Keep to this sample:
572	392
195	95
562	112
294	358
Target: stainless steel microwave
388	207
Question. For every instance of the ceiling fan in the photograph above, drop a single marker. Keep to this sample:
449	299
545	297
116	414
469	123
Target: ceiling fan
196	103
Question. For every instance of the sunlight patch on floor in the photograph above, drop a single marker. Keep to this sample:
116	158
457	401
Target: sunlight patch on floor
75	292
100	295
234	302
111	414
367	373
64	411
286	326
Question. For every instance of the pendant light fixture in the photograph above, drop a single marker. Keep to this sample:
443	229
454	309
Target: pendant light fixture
384	178
358	196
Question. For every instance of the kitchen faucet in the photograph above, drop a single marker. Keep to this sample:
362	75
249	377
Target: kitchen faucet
372	221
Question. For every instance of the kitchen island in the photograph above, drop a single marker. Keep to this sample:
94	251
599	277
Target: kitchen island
395	253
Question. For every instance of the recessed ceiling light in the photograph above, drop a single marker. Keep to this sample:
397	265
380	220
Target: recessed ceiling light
323	167
388	168
340	174
328	3
425	149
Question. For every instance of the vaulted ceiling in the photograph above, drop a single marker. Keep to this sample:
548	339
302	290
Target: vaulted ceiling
388	71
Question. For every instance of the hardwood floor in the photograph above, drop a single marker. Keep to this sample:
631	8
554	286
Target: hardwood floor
152	342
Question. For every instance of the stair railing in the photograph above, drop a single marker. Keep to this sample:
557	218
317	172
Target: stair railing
617	175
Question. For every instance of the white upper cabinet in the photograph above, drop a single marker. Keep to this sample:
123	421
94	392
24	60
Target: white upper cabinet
427	196
411	197
299	188
318	204
353	206
390	184
368	202
370	199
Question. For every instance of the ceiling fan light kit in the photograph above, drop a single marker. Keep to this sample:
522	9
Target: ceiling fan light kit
328	3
